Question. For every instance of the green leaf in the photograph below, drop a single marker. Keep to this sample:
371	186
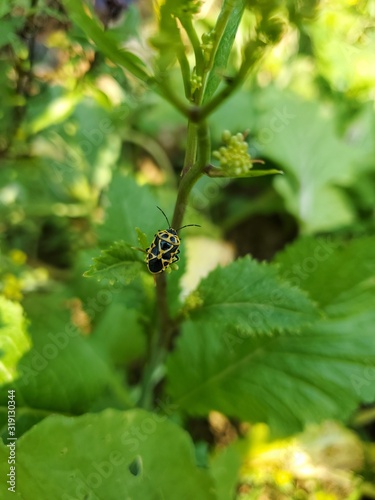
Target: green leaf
227	24
250	296
286	381
5	8
225	467
119	334
339	276
109	455
130	206
55	112
129	26
216	172
259	173
168	39
118	262
62	372
9	29
14	341
105	41
316	164
142	239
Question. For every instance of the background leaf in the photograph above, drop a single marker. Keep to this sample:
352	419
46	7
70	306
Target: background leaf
236	8
338	276
93	456
316	164
105	42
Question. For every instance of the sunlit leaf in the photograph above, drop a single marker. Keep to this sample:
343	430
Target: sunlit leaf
14	340
55	112
250	296
118	262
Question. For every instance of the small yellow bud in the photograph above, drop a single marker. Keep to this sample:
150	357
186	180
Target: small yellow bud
17	256
226	136
234	156
12	287
193	301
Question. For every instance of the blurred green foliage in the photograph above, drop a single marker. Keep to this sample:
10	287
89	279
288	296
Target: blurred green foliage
94	106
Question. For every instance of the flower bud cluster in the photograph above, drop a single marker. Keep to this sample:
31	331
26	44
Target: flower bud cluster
195	82
208	40
233	157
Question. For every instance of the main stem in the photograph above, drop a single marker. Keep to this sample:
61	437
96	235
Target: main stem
196	158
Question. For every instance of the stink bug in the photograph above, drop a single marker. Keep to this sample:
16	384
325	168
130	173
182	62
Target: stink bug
164	248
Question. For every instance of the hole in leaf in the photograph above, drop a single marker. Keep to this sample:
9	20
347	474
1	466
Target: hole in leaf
136	466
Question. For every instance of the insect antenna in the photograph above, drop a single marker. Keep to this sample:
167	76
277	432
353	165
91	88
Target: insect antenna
188	225
166	218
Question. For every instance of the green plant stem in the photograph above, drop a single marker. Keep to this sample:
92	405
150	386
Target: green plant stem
156	352
149	381
196	157
202	140
194	40
185	71
161	297
191	148
119	56
204	146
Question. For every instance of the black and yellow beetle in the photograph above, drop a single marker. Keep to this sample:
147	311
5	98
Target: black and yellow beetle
164	248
